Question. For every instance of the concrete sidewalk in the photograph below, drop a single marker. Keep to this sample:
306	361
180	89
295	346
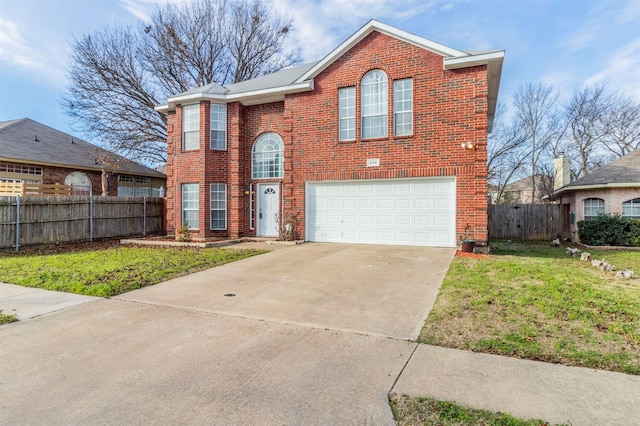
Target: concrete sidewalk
527	389
27	302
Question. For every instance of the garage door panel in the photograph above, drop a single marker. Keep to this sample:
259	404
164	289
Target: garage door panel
402	211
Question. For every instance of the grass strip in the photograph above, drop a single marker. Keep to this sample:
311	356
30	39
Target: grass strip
423	411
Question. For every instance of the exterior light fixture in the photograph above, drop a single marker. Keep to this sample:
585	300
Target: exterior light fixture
467	145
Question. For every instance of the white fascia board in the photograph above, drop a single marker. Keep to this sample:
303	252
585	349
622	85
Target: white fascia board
367	29
305	86
596	186
254	97
473	60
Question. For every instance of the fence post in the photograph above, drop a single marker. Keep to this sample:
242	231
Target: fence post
144	216
17	223
91	216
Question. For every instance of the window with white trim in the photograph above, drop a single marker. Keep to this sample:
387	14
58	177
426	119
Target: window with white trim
267	157
593	207
403	107
347	113
374	105
218	206
218	127
190	205
631	209
190	127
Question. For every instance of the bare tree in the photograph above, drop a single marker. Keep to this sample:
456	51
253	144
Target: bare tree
585	114
538	116
118	75
621	126
508	150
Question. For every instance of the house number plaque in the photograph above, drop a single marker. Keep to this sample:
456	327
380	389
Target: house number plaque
373	162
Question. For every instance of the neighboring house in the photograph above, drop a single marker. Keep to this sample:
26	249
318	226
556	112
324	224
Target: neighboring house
614	188
383	141
34	153
521	191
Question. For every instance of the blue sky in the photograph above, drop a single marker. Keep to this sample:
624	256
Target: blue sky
565	43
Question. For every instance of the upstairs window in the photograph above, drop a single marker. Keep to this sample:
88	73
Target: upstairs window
403	107
219	127
190	127
593	207
374	104
267	159
347	113
631	208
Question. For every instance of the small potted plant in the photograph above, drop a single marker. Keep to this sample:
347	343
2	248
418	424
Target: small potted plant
467	243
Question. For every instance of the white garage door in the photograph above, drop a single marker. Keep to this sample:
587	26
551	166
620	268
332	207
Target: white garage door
416	212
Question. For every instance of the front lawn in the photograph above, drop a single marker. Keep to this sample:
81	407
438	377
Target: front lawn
110	271
529	300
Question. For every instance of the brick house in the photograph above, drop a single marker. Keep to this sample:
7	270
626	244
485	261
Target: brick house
34	153
384	141
611	189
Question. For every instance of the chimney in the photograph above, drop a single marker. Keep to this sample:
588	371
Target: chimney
561	172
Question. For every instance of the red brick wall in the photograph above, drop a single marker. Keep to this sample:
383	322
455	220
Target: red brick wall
450	108
58	174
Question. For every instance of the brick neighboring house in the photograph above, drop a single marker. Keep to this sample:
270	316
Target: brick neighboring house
613	188
32	152
384	141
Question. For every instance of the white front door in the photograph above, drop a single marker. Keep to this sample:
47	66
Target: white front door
268	202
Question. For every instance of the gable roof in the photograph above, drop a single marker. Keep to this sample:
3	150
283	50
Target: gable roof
274	87
623	172
28	141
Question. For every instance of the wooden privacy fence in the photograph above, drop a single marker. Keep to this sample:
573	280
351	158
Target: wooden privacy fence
23	188
50	219
528	221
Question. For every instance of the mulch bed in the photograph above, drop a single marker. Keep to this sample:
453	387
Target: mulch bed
64	247
472	255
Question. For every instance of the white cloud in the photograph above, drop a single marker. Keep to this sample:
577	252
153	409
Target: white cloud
14	49
622	69
138	8
320	26
17	51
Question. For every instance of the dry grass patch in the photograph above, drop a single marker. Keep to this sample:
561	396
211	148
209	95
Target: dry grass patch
533	301
410	411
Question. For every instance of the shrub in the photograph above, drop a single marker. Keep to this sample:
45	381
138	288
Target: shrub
609	230
634	233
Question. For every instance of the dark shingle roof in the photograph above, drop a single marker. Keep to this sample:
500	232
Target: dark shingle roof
31	142
624	170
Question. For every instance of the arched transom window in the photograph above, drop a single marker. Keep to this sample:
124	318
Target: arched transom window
631	208
374	104
267	158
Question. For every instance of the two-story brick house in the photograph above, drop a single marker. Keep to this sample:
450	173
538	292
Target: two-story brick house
384	141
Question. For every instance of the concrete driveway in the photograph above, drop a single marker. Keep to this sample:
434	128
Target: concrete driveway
377	290
304	341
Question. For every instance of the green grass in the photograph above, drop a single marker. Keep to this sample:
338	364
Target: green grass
7	318
533	301
427	411
111	271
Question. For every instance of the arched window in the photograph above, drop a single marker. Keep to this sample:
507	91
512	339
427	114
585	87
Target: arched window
374	104
267	159
593	207
631	208
80	182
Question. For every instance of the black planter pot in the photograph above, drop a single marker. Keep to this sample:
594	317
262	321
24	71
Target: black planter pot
467	247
